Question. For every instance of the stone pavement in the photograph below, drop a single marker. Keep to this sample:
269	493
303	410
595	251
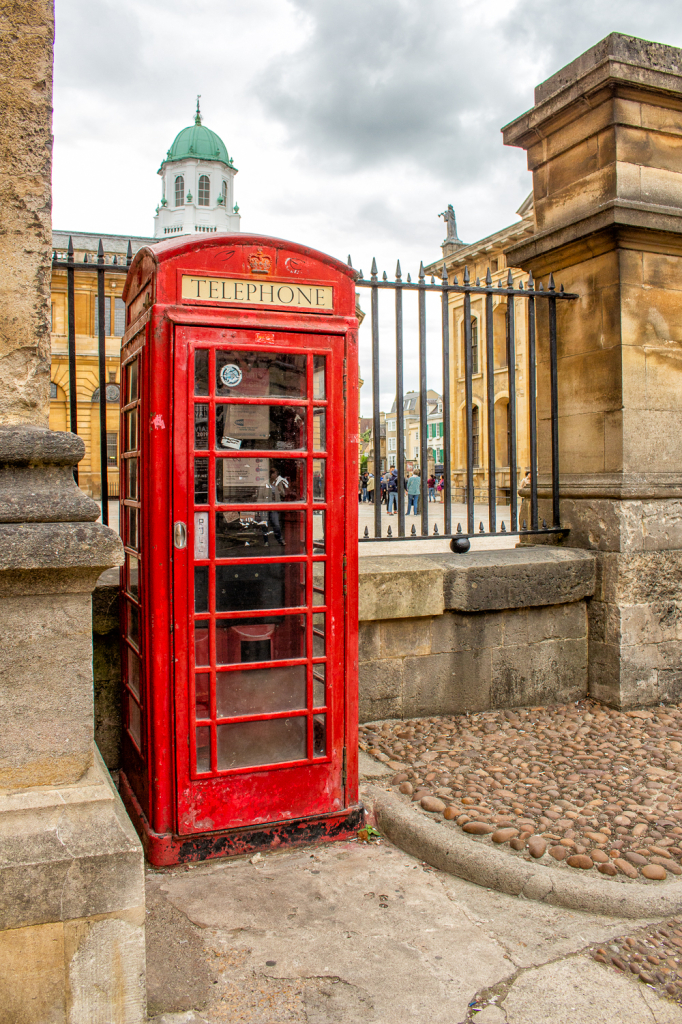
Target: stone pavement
354	933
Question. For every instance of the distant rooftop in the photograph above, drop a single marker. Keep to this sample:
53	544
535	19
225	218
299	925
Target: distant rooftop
88	241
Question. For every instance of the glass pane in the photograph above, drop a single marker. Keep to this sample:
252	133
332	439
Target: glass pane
260	691
131	430
132	574
243	588
201	371
201	535
131	376
131	479
254	534
203	749
200	426
318	583
134	721
132	532
201	588
202	684
319	735
319	430
319	389
201	649
319	687
201	481
319	470
318	635
133	676
260	374
259	480
265	427
318	532
133	623
239	641
266	742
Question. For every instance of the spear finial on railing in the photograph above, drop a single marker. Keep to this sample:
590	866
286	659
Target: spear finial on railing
435	529
480	528
374	270
503	528
129	255
544	524
422	274
70	250
389	532
541	287
433	280
521	286
510	279
478	282
385	276
409	279
524	527
115	260
350	262
360	276
85	258
466	275
551	282
445	274
531	283
366	533
100	252
413	531
488	278
459	527
398	272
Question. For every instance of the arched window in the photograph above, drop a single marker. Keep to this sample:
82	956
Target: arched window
179	190
224	192
204	190
474	348
475	433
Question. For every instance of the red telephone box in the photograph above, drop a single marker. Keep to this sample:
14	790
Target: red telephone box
239	520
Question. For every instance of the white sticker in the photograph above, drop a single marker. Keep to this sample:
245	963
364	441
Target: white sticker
231	375
231	442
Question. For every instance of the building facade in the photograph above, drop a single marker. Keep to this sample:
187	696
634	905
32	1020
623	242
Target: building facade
479	257
198	198
411	417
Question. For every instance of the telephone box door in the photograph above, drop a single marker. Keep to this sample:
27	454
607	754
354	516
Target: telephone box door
258	497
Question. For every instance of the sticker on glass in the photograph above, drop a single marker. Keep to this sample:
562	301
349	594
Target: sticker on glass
231	375
231	442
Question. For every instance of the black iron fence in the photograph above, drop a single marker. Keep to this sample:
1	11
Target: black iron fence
467	493
66	261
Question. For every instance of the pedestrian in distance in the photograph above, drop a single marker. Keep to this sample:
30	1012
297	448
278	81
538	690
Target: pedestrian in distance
364	478
370	487
431	484
413	489
440	489
393	492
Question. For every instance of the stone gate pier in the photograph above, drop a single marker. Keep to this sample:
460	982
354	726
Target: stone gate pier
604	144
71	868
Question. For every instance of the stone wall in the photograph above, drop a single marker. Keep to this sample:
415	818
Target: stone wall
439	634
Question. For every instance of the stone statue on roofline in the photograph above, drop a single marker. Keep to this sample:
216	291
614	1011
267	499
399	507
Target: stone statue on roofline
451	226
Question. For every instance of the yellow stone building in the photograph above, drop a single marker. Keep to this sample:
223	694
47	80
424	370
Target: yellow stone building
488	253
87	357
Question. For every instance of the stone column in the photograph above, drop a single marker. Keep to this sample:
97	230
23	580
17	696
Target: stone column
71	866
604	143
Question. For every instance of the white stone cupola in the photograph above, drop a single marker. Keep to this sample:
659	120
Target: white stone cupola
198	185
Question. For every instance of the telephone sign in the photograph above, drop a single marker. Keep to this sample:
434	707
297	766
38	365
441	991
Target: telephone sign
239	521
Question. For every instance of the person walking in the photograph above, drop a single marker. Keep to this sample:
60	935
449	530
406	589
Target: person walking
440	487
413	489
370	487
431	484
393	492
364	478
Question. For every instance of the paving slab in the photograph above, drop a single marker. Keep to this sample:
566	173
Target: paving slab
353	933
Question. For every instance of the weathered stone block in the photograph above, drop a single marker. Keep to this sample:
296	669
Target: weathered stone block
369	642
447	684
32	975
454	631
401	587
518	578
381	690
401	637
551	672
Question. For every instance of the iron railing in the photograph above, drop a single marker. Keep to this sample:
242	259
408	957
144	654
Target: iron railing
530	294
65	261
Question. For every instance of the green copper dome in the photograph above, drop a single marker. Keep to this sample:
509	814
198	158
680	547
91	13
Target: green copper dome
198	142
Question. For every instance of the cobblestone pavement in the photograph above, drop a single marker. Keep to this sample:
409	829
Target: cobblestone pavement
582	786
653	955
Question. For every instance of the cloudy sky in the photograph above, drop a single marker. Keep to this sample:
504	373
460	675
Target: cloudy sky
353	122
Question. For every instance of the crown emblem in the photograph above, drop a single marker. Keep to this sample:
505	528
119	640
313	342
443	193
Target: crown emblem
259	262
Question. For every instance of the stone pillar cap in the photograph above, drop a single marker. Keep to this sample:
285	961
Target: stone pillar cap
26	445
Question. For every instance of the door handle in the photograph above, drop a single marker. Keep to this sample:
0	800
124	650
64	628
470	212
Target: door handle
180	535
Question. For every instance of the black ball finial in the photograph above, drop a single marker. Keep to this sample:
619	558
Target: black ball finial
460	545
